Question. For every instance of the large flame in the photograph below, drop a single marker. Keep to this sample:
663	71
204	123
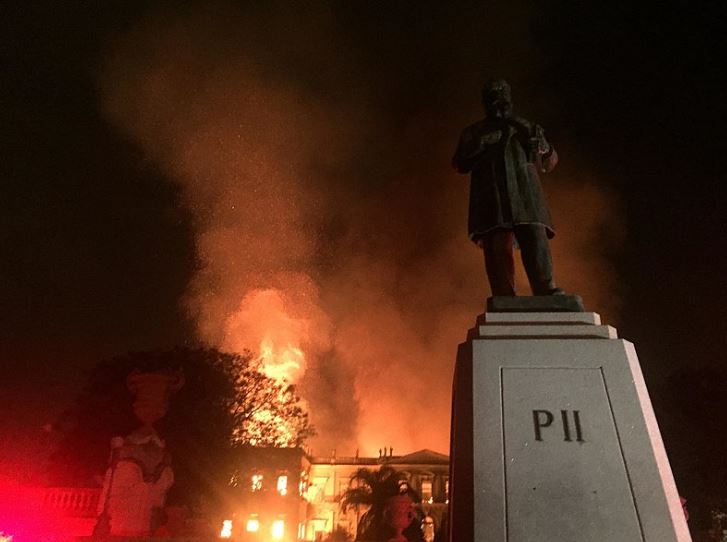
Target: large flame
281	362
281	332
264	321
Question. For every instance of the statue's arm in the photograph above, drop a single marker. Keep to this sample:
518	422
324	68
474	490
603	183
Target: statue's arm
469	151
547	157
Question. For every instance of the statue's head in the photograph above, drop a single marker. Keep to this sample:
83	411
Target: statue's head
497	98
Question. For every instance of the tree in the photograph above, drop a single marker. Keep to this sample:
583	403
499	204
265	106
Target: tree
265	412
226	401
372	489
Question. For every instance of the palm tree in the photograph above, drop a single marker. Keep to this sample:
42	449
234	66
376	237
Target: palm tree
372	488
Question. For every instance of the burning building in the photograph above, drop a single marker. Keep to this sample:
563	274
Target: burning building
267	498
287	494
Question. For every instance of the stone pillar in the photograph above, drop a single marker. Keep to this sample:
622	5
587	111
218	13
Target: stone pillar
554	437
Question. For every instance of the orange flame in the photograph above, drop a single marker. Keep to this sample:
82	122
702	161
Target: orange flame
264	320
283	363
285	330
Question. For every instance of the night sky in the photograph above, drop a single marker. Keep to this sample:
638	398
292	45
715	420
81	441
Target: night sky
98	250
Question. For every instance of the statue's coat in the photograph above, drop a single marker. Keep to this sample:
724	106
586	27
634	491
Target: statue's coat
505	187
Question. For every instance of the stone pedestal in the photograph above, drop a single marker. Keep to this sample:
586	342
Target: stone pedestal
554	437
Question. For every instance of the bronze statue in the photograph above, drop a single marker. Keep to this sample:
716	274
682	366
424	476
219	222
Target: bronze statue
505	155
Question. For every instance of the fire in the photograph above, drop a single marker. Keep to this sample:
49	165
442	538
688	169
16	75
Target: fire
253	525
281	330
265	319
226	531
281	363
278	529
284	329
263	417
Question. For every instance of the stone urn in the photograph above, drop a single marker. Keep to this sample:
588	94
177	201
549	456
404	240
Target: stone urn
399	514
152	392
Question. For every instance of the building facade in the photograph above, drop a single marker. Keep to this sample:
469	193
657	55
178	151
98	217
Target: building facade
285	494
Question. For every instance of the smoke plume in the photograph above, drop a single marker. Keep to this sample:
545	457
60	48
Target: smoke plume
330	233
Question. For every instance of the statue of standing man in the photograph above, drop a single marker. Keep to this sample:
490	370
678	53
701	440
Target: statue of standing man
505	155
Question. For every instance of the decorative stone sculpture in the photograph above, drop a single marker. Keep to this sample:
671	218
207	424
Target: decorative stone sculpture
139	474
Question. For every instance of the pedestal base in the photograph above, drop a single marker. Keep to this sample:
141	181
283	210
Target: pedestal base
535	303
554	437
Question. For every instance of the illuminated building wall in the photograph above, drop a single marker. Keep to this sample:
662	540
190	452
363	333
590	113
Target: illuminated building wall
283	494
329	478
266	502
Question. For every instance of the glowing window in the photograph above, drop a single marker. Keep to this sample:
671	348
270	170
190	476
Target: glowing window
283	484
253	524
427	491
278	529
257	482
446	491
226	531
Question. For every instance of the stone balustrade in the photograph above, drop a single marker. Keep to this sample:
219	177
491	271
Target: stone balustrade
72	501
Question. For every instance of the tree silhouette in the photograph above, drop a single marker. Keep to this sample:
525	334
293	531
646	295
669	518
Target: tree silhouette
371	489
265	412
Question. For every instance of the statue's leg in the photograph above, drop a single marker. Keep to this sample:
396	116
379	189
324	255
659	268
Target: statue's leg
538	264
499	262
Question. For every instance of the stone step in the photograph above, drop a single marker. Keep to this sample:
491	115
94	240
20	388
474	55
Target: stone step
545	331
494	318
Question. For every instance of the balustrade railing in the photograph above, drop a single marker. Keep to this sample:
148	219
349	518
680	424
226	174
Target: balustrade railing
72	501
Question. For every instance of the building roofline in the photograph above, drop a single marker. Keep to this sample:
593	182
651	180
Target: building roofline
424	457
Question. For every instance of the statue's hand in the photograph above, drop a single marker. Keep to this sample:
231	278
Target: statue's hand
538	142
490	138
